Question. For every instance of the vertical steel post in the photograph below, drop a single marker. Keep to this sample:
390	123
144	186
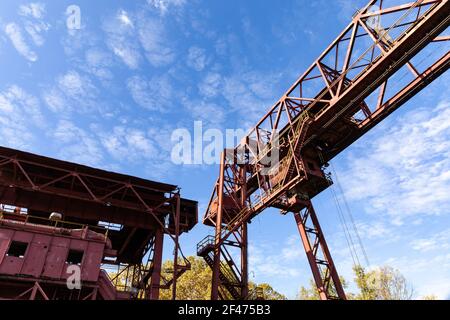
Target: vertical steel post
244	260
323	280
244	237
216	265
177	235
157	264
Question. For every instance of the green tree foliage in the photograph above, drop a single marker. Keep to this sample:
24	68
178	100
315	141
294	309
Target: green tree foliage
308	293
311	292
195	284
384	283
268	292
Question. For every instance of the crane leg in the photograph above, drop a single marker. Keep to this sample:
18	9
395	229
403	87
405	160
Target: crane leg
325	276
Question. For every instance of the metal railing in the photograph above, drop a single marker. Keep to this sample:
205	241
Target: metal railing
26	219
204	243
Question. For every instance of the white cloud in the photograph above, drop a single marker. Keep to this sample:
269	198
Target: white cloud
155	94
98	63
293	250
55	100
197	58
77	145
437	241
121	40
379	230
164	5
208	112
14	33
277	262
155	41
35	31
421	272
130	40
33	20
72	92
127	144
128	55
125	19
35	10
210	85
19	114
250	94
407	171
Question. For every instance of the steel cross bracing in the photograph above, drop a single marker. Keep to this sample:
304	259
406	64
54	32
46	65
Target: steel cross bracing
350	88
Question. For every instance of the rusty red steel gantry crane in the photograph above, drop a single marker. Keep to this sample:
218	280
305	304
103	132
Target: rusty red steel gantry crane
325	111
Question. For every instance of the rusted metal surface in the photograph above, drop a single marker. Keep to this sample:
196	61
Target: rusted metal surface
323	269
324	111
40	255
135	213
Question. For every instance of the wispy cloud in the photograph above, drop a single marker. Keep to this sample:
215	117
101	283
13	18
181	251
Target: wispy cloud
127	144
210	85
72	92
277	260
164	5
31	24
153	94
208	112
33	18
125	19
121	39
197	59
155	42
77	144
14	32
35	10
20	113
249	93
437	241
407	173
133	36
98	63
421	271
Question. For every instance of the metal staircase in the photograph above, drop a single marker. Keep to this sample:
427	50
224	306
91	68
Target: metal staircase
229	275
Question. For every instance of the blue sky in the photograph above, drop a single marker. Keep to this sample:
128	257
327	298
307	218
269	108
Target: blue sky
110	95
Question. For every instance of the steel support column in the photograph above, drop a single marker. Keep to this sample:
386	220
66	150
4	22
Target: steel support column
216	266
155	281
244	260
324	271
177	245
244	236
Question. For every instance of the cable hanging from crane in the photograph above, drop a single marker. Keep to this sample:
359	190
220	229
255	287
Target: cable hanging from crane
346	215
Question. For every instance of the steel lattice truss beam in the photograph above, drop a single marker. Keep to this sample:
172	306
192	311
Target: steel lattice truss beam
353	85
